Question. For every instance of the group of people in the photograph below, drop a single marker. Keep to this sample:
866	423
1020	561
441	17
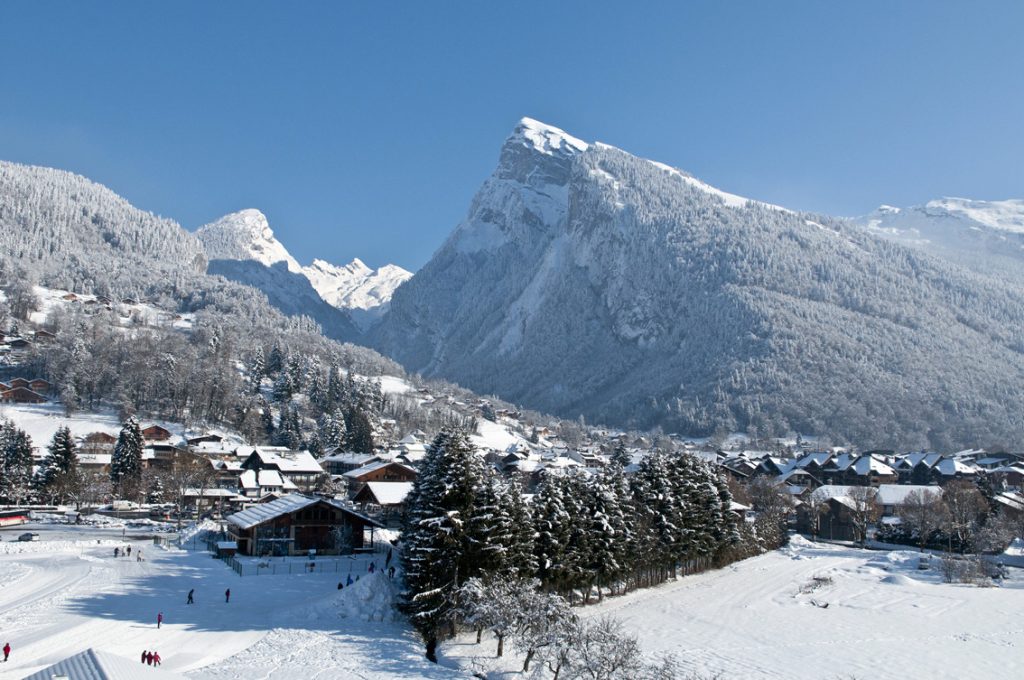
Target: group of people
151	658
127	552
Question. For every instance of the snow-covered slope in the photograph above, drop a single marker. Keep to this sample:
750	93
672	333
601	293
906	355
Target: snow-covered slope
365	292
585	280
984	235
245	235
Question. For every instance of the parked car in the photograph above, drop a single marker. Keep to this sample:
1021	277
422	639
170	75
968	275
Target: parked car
30	536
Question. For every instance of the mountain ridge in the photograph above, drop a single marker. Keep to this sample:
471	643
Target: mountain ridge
587	281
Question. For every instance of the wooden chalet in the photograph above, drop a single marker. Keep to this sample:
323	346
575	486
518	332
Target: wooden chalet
22	395
97	442
39	385
155	433
384	471
384	499
295	524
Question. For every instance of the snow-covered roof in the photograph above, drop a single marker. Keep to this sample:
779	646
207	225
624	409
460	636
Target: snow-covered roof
870	465
952	466
351	457
264	512
373	467
888	494
93	664
250	479
390	493
295	462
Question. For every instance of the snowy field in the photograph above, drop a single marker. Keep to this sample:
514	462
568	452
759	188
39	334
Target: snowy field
67	593
884	618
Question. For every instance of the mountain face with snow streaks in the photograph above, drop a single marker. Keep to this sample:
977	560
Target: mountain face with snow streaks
585	280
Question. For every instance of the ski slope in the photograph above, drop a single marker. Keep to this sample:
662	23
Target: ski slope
69	593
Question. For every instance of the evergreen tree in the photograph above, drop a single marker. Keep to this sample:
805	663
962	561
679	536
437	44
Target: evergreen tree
126	461
620	456
15	463
551	523
331	430
521	561
284	387
359	432
437	557
59	475
275	362
257	369
289	431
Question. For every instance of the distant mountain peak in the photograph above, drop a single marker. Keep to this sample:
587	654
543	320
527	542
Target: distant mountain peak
364	291
245	235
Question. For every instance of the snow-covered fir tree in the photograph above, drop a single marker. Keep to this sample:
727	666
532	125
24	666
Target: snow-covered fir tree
59	476
126	461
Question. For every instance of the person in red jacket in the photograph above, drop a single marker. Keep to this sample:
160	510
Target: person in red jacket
149	658
144	652
156	658
7	650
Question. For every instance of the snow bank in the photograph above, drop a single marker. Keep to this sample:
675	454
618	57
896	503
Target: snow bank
371	598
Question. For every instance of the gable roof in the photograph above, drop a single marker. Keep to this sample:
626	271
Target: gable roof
286	505
293	462
96	665
373	467
387	493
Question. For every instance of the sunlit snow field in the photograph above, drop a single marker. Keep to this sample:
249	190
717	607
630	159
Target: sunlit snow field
884	618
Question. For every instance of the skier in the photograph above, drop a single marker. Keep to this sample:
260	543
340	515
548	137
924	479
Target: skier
138	556
7	651
159	620
227	596
387	560
190	596
143	656
117	552
348	581
156	658
391	572
373	566
149	658
129	551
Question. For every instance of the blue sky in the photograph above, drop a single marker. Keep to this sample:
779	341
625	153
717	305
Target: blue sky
363	129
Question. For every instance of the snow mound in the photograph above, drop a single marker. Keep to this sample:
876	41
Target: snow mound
371	598
898	580
197	529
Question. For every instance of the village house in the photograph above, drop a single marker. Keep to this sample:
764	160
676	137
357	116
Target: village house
384	500
97	442
383	471
296	524
258	483
22	395
341	462
298	467
156	433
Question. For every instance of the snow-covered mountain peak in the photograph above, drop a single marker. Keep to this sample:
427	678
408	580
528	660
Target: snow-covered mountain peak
545	138
364	291
245	235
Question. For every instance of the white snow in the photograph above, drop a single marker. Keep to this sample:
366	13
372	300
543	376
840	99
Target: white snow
245	235
71	594
547	138
356	287
880	617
